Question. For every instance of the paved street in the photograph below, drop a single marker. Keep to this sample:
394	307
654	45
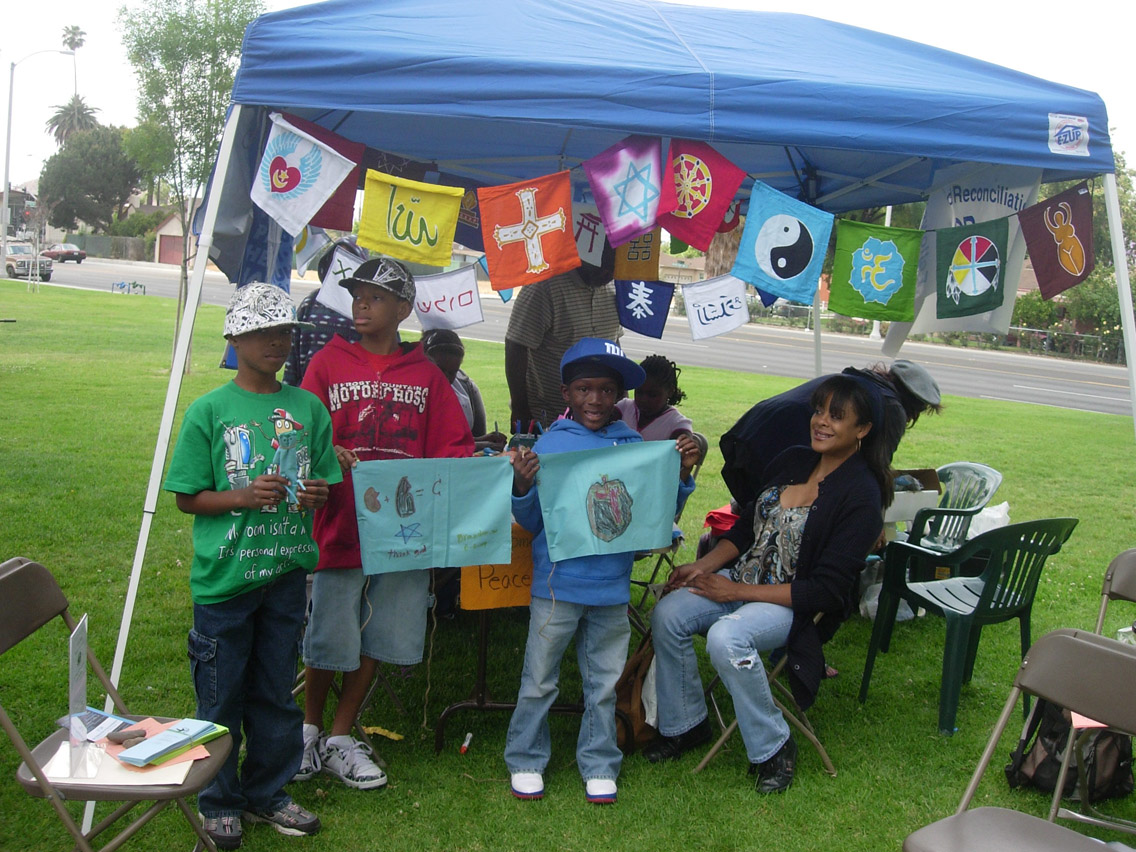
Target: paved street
752	348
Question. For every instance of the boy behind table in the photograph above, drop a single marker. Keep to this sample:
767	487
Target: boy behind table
252	550
387	401
584	598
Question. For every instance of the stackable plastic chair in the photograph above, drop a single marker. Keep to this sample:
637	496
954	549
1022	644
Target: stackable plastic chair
967	488
1077	670
1013	557
29	599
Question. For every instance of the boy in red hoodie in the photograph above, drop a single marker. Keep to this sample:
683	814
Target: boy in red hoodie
387	401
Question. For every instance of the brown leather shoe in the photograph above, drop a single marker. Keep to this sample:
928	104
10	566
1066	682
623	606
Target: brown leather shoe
776	774
672	748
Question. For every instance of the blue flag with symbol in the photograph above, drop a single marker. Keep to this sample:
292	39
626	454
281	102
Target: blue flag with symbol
643	305
783	245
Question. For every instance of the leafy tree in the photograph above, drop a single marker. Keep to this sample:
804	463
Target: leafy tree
151	146
1033	311
73	39
185	55
70	118
89	179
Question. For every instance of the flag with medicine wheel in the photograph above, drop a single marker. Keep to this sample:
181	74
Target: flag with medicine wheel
970	268
297	174
408	219
705	185
527	229
1059	239
874	270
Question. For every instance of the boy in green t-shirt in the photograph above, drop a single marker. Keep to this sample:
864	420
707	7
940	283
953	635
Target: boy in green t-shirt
253	460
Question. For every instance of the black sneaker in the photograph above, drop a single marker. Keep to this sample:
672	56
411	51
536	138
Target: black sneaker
672	748
776	774
289	819
224	831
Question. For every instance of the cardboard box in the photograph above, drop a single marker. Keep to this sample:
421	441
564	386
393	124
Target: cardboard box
907	503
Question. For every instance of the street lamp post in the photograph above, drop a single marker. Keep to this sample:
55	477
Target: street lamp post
5	212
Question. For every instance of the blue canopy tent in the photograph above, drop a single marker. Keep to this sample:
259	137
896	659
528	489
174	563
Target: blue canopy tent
500	90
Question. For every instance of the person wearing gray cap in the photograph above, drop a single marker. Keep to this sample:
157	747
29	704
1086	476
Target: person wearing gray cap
782	421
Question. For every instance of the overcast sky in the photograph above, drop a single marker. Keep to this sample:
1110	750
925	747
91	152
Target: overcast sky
1052	40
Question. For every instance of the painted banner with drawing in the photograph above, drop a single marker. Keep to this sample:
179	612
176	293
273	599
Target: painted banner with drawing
610	500
430	513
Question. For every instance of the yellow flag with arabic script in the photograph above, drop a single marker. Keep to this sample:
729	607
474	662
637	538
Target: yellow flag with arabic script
408	219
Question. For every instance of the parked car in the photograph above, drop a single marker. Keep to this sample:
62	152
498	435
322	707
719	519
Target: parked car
21	259
63	252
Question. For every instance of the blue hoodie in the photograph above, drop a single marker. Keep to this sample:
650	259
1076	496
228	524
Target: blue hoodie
601	580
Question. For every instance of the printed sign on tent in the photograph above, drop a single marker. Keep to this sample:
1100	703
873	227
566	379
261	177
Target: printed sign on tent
783	245
705	185
449	299
297	174
331	294
610	500
421	513
969	263
408	219
1059	239
588	229
338	212
631	186
497	586
526	229
874	270
643	306
715	306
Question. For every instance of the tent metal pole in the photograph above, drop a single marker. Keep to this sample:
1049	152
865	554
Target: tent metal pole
177	369
1123	285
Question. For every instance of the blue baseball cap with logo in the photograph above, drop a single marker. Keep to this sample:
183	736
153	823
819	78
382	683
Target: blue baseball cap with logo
592	357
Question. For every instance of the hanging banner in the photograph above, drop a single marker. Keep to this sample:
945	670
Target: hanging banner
783	245
526	231
297	174
611	500
705	185
715	306
874	271
331	294
308	245
631	186
1059	238
638	258
970	268
449	299
338	212
409	220
643	306
588	229
425	513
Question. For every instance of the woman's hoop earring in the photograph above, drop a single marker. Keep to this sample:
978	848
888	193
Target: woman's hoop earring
857	445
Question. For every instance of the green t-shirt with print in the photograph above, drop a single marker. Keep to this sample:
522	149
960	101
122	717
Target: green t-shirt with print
229	437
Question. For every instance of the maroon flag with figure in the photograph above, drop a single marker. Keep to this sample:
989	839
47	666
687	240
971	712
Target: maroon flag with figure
705	183
1059	239
338	212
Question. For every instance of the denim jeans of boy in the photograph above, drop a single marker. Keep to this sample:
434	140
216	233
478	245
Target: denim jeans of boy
601	634
736	633
243	654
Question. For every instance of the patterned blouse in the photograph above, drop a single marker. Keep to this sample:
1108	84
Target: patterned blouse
777	540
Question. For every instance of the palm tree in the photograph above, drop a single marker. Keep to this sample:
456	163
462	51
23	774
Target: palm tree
73	39
71	117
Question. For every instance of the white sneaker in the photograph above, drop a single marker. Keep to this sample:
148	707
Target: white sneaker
527	785
311	763
350	761
600	791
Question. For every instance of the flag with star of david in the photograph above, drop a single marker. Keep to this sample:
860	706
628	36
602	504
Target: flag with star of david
970	268
527	230
643	306
874	271
783	245
705	185
1059	238
631	187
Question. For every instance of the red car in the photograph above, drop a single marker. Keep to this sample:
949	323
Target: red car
63	252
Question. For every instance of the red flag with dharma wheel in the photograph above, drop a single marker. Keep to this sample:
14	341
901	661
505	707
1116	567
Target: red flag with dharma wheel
527	227
706	183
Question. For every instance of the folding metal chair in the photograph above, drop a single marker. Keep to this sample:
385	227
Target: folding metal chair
29	599
1078	670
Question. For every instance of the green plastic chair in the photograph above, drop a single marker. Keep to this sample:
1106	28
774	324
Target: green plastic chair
1013	555
967	488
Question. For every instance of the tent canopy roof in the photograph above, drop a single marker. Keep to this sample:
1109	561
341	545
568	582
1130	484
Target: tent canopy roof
507	89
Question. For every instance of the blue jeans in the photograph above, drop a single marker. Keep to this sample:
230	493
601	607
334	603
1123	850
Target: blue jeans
242	653
601	634
736	633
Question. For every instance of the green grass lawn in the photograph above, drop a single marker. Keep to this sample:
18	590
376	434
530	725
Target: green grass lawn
82	379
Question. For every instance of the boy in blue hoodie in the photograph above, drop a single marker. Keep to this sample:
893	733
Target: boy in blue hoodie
584	598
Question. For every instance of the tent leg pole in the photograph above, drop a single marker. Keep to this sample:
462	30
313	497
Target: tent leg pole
1123	284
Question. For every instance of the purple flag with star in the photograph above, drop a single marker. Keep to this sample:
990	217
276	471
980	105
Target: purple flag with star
630	187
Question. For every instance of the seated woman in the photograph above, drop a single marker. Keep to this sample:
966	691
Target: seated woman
446	350
801	545
652	413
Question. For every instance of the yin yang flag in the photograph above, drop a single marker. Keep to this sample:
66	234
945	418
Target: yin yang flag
783	245
1059	239
970	273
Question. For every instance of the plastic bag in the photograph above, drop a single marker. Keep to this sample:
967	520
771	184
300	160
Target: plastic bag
988	519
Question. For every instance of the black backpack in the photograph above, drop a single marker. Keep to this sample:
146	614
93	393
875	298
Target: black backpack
1036	762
